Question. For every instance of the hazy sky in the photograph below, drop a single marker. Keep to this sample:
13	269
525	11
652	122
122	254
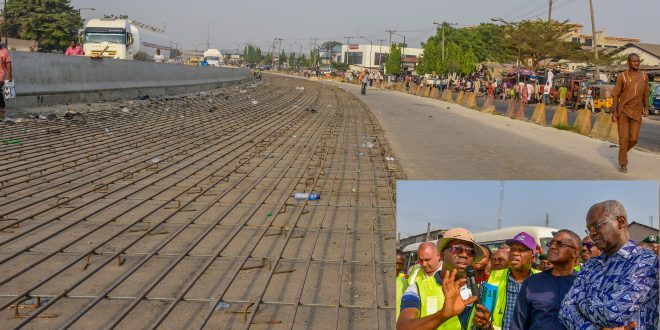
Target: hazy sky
296	21
475	204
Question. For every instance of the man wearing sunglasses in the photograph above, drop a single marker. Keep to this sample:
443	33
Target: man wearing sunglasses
541	294
508	283
619	288
441	301
589	249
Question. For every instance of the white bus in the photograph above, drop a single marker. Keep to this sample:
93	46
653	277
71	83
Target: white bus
493	239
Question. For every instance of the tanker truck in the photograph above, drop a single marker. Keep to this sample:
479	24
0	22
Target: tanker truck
123	39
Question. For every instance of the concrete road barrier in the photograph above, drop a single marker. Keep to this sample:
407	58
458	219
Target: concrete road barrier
45	79
601	129
520	114
446	95
460	97
584	126
471	100
560	118
489	105
539	114
427	91
511	109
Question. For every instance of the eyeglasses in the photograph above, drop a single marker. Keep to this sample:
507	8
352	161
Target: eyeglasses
458	249
588	245
559	244
592	228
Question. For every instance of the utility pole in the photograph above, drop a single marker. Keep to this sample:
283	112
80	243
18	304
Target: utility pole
390	32
278	55
499	214
650	221
313	51
441	26
208	36
428	232
380	52
547	219
549	10
593	40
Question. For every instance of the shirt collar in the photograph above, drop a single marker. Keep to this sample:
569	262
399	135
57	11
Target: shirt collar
624	252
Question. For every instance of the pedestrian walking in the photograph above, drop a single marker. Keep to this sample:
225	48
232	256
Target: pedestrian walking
6	78
364	79
589	101
74	49
619	288
631	103
541	294
546	93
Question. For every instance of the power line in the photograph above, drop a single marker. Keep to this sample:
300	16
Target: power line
511	11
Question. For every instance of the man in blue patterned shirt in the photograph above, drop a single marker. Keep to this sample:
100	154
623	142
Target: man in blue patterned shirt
619	288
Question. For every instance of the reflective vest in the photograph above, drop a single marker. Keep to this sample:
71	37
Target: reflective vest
401	286
499	278
432	298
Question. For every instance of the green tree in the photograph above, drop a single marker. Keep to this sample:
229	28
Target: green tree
330	45
282	58
52	23
341	66
251	54
393	64
292	59
540	40
268	59
302	61
464	48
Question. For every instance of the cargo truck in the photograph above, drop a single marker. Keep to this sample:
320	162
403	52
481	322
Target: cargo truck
123	39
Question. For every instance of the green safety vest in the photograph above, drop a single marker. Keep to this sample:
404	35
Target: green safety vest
401	286
499	279
432	299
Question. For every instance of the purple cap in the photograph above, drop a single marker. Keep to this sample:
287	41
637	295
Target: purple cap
524	239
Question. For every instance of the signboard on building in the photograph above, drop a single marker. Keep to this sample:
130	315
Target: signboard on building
353	47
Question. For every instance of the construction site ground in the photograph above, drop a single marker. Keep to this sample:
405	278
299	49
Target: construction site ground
180	213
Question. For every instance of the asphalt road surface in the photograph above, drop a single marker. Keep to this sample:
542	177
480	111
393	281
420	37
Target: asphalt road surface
439	140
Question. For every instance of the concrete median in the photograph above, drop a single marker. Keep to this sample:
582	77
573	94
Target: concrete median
601	128
560	118
45	79
539	114
489	105
460	97
446	95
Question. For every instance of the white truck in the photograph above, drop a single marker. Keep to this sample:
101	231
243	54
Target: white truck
123	39
213	57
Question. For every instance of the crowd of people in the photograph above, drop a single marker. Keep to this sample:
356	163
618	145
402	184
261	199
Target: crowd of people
602	281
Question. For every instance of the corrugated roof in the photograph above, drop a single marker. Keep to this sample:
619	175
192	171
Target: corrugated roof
653	49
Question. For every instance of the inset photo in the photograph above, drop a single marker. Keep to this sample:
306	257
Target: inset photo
527	254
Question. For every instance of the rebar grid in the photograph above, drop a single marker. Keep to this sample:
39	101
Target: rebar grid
116	239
